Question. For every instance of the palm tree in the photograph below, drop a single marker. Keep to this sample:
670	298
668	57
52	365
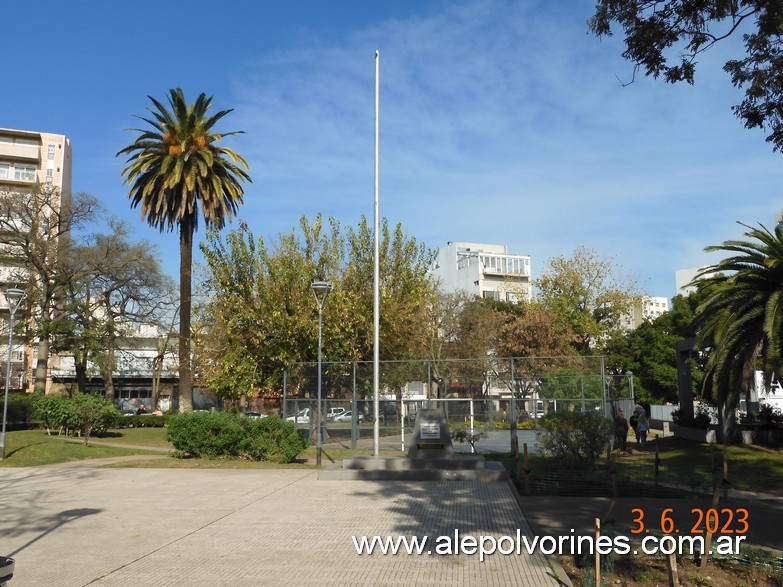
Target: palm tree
741	318
174	168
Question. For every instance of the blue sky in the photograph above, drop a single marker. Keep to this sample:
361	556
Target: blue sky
501	122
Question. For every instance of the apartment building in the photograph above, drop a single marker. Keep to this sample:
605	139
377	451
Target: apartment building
485	270
30	162
645	308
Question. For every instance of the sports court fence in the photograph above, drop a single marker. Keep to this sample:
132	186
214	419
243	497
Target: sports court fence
496	399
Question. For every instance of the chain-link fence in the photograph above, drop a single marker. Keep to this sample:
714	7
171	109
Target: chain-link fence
494	399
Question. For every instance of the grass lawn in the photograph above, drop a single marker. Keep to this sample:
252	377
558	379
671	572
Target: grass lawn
33	448
749	468
684	464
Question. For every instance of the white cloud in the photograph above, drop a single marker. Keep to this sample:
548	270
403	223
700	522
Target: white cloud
503	122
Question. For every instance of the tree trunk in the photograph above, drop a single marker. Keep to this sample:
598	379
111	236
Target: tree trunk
185	266
109	375
42	365
727	419
80	363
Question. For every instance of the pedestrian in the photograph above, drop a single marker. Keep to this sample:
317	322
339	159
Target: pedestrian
635	425
643	425
621	430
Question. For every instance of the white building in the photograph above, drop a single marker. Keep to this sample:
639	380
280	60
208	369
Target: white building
682	277
29	159
645	308
483	270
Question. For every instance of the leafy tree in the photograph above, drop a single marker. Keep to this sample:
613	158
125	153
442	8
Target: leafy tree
578	438
588	293
90	414
535	331
478	333
741	316
120	283
649	352
666	38
176	168
260	314
37	226
540	342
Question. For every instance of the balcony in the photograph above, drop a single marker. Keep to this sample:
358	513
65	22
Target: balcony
506	265
19	152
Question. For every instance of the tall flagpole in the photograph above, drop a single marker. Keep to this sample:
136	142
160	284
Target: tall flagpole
376	278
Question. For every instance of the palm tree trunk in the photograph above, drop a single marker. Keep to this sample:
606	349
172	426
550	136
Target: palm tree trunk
185	266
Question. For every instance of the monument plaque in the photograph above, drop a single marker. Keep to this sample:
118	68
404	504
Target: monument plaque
430	438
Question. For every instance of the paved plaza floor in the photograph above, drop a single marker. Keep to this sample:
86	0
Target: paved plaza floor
84	525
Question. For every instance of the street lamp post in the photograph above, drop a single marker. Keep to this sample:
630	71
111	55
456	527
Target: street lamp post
320	289
14	298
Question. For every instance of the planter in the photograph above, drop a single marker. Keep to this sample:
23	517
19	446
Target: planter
695	434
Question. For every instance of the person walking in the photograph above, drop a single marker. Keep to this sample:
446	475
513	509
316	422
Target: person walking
621	430
643	426
635	425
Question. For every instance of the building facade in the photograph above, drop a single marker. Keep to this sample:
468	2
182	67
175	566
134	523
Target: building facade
31	164
645	308
484	270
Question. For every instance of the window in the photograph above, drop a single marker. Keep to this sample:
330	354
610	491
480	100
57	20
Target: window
5	170
491	295
24	172
50	153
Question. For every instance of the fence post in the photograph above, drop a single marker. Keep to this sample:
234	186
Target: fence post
597	553
513	419
285	389
526	470
657	463
614	476
725	472
355	412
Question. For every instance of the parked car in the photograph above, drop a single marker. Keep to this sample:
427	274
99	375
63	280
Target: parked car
332	413
255	415
303	417
347	416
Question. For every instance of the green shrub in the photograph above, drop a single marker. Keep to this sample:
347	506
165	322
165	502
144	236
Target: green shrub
700	420
272	439
20	408
576	437
146	421
206	434
90	414
51	411
462	433
220	434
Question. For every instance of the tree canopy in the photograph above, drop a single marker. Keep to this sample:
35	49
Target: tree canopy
259	317
665	38
588	293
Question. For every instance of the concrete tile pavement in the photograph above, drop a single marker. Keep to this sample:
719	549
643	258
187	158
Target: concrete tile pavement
81	525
